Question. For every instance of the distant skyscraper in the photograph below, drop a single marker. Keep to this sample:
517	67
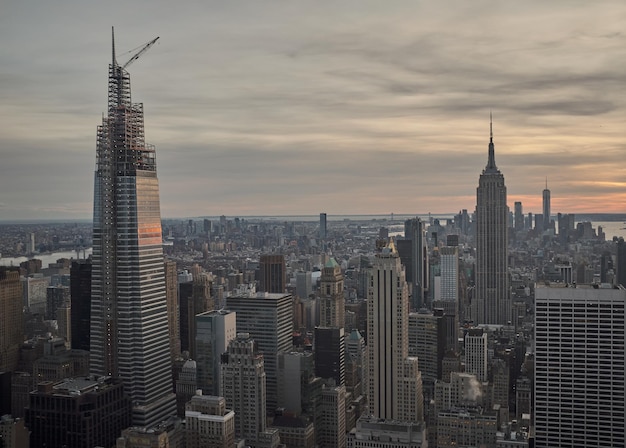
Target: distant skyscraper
273	274
519	217
11	321
620	276
395	382
546	207
323	226
449	265
415	260
129	327
491	304
579	367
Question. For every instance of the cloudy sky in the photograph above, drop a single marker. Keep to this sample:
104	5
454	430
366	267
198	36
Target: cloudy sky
297	107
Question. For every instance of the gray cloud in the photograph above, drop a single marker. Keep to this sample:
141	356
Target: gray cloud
296	107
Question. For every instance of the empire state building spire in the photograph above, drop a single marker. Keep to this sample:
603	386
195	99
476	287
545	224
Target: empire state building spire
491	162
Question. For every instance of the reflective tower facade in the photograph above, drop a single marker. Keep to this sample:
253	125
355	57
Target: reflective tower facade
492	303
129	326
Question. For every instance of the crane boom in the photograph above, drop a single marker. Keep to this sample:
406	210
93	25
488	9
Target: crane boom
140	52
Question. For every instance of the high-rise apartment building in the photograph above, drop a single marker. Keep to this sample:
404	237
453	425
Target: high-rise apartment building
267	318
394	380
273	274
214	330
11	321
579	366
492	302
546	207
332	301
129	324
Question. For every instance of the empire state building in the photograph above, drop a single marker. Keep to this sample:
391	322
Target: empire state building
491	303
129	327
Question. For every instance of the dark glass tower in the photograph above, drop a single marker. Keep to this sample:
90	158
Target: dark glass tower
492	303
129	327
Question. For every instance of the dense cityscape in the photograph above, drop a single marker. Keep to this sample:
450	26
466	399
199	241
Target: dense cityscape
491	327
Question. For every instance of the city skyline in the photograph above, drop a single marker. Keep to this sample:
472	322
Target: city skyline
283	109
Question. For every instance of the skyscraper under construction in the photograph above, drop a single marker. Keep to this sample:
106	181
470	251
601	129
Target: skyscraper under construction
129	329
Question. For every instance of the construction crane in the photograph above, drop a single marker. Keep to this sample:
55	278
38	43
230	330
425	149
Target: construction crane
145	48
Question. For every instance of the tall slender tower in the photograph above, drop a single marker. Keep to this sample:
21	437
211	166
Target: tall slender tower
546	207
395	382
129	326
492	303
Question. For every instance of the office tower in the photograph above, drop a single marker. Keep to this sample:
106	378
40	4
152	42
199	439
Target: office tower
546	207
64	322
80	297
330	425
13	433
295	431
330	351
214	330
243	387
173	313
167	434
268	320
449	273
186	385
299	389
579	366
357	350
332	300
209	423
304	284
620	275
273	274
427	339
519	217
11	321
415	260
371	432
476	353
201	301
466	427
395	382
35	290
55	297
81	413
323	226
129	330
492	303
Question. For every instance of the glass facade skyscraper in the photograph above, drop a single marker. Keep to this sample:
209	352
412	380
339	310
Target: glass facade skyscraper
129	328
